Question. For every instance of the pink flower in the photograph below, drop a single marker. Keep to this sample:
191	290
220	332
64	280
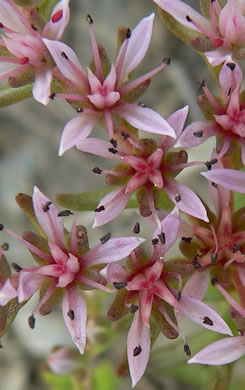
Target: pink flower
221	352
107	95
227	112
225	29
148	284
23	32
63	268
144	167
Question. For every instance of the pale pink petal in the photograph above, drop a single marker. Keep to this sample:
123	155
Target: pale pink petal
169	226
189	202
154	160
110	81
56	49
137	46
29	283
138	163
76	130
114	204
58	255
55	30
226	77
11	19
94	82
138	337
144	118
73	301
52	225
41	87
98	147
146	299
216	57
7	292
229	178
221	352
179	10
197	285
177	122
114	273
113	250
138	180
203	314
196	133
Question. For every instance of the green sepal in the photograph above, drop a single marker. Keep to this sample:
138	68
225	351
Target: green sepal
54	300
162	323
118	308
25	3
10	95
205	8
8	314
40	243
46	7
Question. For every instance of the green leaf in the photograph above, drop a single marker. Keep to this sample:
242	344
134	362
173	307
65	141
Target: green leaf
104	377
10	95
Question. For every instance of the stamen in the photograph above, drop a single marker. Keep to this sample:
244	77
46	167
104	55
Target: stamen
113	142
198	134
109	122
186	239
5	246
97	62
71	314
133	308
235	248
214	184
210	163
137	350
219	110
162	238
112	150
99	209
231	65
155	241
105	238
201	84
1	227
31	322
97	170
202	29
46	206
34	27
64	55
136	229
16	267
65	213
187	350
177	198
125	135
52	96
119	285
214	257
122	57
207	321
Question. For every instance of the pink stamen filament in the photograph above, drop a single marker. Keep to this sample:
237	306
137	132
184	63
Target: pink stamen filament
213	16
30	246
233	303
21	16
215	238
115	173
87	260
219	110
82	79
225	147
109	123
134	259
56	236
152	206
74	236
71	96
133	84
94	284
45	298
97	62
217	7
15	71
176	167
121	61
13	60
206	32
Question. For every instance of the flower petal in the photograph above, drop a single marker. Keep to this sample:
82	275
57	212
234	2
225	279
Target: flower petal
76	130
221	352
54	30
203	131
229	178
114	272
169	226
41	87
29	283
7	292
144	118
9	18
98	147
138	337
177	122
203	314
73	301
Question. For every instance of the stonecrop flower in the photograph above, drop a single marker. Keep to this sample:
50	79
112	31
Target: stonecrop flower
147	280
106	91
65	267
145	168
220	37
22	31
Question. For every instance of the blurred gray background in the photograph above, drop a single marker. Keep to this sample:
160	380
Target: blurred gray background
29	141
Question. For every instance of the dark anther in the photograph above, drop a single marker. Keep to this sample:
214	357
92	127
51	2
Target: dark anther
105	238
201	84
167	60
208	321
133	308
229	91
113	151
89	19
141	104
214	281
178	296
195	258
214	257
137	350
46	206
1	25
71	314
97	170
198	134
136	229
128	35
240	332
64	55
31	322
65	213
231	65
212	1
187	350
52	96
1	226
16	267
188	18
178	198
5	246
113	142
1	345
99	209
210	163
119	285
197	265
79	109
155	241
33	27
161	237
214	184
235	248
186	239
125	135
